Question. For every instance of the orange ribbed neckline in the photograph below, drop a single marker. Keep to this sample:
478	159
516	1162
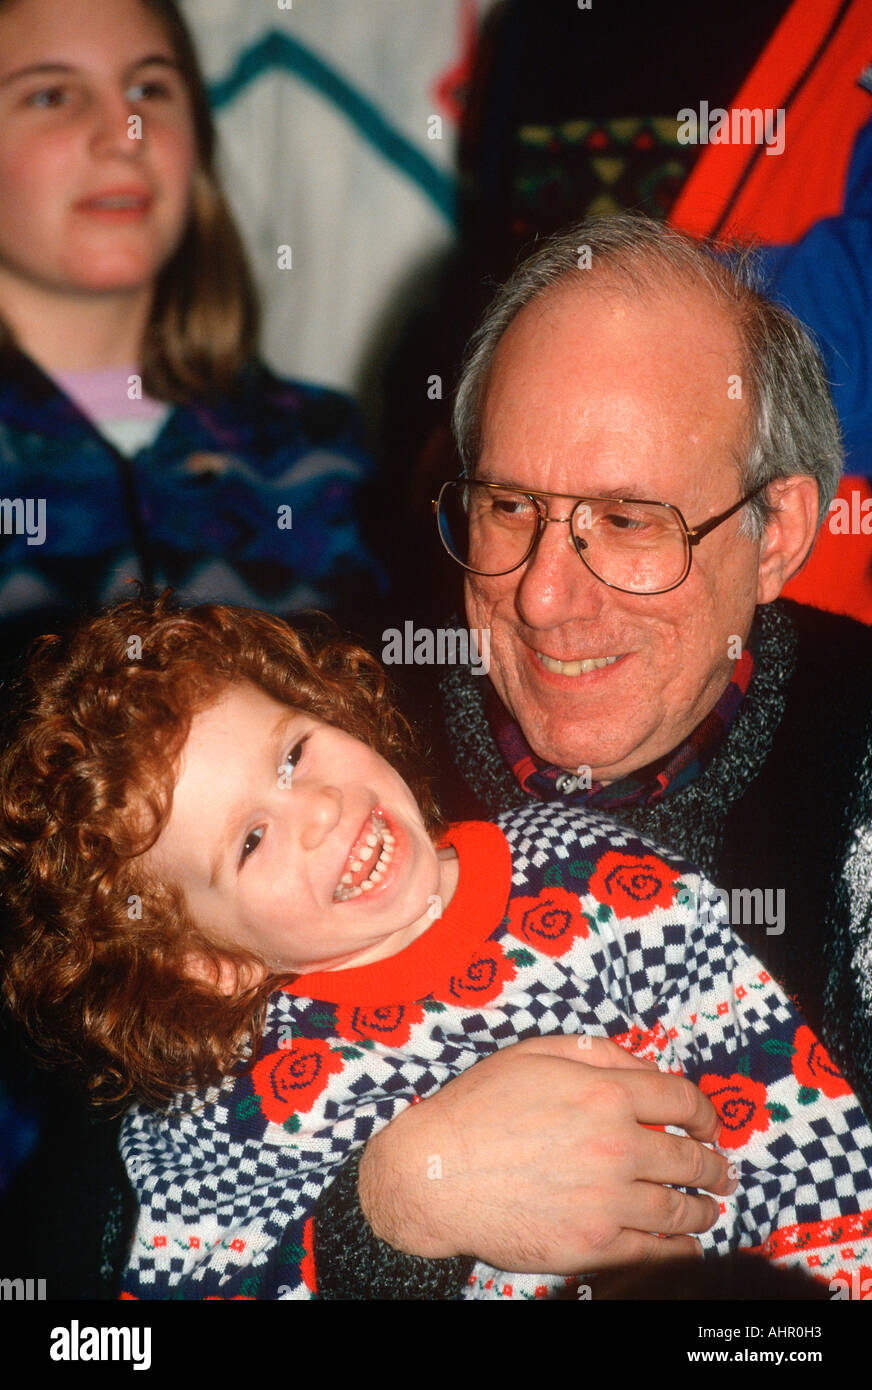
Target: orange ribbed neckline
477	908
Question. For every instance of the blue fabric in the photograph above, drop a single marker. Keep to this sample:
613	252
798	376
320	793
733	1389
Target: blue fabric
199	509
825	279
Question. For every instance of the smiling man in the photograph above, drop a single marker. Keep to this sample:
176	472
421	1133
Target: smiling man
648	449
627	399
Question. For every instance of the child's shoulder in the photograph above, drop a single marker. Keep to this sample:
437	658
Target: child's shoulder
549	831
555	847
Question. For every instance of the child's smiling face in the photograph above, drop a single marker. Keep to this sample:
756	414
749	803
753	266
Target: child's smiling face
295	840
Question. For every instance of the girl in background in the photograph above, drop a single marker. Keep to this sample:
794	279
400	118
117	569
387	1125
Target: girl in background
139	435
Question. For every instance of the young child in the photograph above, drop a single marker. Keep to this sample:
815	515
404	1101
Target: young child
139	433
230	907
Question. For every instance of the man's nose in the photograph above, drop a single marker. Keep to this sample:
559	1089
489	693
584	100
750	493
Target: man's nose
555	586
318	811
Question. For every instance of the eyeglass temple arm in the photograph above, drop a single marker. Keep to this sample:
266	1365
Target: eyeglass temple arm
697	533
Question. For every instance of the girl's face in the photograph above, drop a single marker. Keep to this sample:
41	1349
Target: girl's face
295	840
97	146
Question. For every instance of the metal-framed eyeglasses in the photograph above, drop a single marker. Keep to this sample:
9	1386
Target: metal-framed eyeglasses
631	544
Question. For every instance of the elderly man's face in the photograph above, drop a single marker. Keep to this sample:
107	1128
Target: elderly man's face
590	394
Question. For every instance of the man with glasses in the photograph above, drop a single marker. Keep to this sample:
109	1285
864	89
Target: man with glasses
648	449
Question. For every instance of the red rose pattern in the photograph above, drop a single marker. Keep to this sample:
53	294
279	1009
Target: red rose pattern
292	1079
741	1104
632	884
550	922
483	979
389	1023
813	1066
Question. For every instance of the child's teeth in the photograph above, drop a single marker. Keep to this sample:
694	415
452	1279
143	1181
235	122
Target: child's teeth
346	888
344	892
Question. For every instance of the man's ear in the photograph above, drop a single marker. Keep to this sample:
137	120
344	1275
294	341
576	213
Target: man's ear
790	534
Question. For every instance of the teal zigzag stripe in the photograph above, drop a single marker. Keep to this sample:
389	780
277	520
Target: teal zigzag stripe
278	50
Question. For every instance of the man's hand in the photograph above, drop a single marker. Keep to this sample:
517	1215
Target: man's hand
536	1159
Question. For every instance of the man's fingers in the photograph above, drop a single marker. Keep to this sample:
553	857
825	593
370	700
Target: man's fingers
665	1211
581	1047
663	1099
658	1098
682	1162
636	1248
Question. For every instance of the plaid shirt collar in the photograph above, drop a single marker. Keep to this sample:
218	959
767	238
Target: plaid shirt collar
642	788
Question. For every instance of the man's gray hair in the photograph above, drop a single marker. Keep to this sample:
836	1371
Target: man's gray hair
793	424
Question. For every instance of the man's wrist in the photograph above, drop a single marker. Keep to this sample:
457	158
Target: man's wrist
353	1262
378	1184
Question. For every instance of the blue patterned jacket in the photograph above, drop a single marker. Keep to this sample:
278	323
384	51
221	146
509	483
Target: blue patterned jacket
253	499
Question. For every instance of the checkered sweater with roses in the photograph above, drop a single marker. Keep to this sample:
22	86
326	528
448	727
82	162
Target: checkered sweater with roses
561	923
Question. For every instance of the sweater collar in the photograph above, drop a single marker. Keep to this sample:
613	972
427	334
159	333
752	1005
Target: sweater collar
475	911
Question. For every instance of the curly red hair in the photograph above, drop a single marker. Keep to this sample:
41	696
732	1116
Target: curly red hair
95	951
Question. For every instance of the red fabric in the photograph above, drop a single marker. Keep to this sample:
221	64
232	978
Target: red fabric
824	1234
838	576
784	196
